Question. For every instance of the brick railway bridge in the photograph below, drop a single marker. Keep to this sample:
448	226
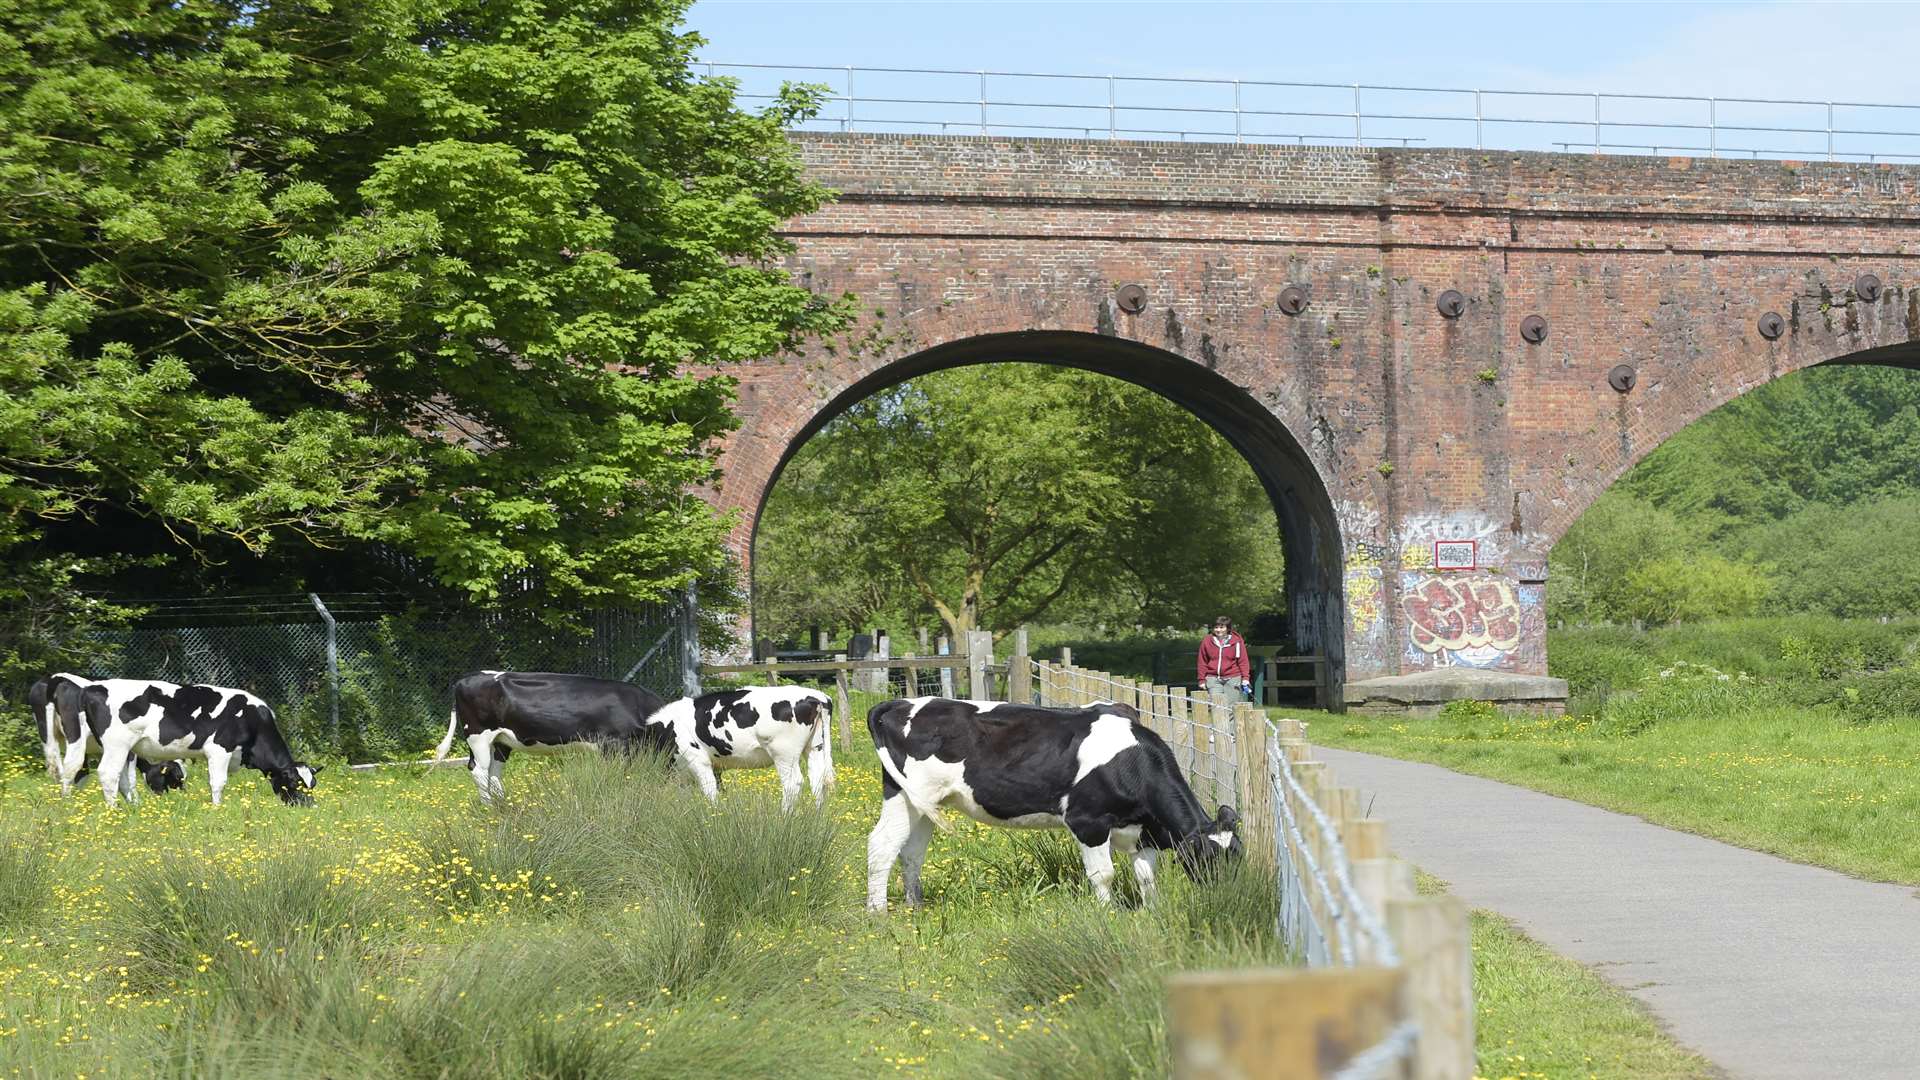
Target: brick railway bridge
1413	348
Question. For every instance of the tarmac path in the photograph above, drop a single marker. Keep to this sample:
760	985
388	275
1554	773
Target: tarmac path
1768	967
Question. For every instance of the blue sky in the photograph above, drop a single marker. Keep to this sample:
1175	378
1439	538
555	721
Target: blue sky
1857	52
1860	51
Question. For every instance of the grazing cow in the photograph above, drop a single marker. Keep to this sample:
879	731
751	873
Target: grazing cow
542	711
165	721
66	736
751	729
1095	771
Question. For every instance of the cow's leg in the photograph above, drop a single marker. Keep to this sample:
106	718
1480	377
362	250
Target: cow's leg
820	766
500	755
789	772
702	769
73	758
219	762
480	752
1145	861
884	844
913	856
50	745
130	781
115	754
1096	853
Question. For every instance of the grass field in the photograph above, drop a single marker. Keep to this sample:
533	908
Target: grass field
605	923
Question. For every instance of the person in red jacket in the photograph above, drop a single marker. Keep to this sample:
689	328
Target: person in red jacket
1225	674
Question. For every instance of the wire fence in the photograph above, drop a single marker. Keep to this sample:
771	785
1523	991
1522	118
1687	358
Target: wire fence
987	102
1333	877
363	678
1198	730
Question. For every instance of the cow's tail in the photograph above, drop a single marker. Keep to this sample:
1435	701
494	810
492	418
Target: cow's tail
820	750
914	799
446	744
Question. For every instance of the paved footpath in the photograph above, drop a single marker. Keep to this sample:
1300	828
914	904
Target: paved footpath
1768	967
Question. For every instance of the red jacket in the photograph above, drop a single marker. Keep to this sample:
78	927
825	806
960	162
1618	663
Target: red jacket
1229	660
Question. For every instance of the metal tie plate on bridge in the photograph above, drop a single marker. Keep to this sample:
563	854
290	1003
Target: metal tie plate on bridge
1293	300
1867	287
1534	329
1451	304
1622	378
1771	325
1131	299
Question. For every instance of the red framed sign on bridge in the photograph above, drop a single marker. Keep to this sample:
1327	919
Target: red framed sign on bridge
1456	554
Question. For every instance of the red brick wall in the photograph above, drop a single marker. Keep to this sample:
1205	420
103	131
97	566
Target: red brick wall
1418	427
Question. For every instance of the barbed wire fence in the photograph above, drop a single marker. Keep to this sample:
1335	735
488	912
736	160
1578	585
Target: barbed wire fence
366	677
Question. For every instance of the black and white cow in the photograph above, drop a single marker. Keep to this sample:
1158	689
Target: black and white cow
66	736
1095	771
542	712
753	728
166	721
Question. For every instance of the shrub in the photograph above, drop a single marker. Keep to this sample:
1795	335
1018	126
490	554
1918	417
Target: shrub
1596	661
1682	690
1882	696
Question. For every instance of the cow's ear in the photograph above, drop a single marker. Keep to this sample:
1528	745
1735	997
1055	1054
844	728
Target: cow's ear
1228	817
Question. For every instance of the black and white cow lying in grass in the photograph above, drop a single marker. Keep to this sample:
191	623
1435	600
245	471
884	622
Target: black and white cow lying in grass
753	728
65	737
499	712
1095	771
166	721
504	711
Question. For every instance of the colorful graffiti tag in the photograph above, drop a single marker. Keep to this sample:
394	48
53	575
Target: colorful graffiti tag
1366	595
1475	620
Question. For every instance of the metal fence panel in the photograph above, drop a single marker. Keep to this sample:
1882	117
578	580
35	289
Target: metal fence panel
386	697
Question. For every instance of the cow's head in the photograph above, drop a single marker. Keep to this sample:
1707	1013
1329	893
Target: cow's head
1201	850
164	776
292	784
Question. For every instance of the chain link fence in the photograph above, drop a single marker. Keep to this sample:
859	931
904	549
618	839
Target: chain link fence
366	679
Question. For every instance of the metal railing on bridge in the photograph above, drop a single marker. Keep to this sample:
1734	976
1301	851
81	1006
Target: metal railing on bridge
989	102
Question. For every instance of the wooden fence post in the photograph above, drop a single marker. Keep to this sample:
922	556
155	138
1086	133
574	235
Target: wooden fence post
1436	951
1156	713
1275	1023
1019	671
846	710
1182	738
979	655
945	647
1255	794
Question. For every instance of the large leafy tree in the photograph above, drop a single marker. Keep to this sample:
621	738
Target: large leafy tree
990	496
421	274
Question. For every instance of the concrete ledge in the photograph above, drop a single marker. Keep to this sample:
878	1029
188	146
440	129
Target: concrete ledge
1425	693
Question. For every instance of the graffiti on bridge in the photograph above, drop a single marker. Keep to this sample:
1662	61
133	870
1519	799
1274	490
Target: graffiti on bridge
1468	620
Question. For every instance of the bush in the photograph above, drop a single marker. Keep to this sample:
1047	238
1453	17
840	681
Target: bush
1682	690
1882	696
1596	661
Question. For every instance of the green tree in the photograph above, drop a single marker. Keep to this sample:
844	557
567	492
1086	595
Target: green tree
1001	494
1851	561
421	273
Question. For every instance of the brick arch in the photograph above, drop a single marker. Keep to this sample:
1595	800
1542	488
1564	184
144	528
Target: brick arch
1673	392
1430	430
782	409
